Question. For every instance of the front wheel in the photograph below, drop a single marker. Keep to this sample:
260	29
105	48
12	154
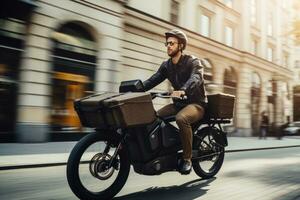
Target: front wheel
210	153
91	172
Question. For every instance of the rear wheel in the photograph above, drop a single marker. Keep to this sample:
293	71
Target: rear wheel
210	154
91	172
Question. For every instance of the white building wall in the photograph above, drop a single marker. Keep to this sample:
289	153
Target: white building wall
153	7
239	18
130	45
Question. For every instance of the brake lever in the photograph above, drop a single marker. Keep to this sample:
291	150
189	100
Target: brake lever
160	94
166	95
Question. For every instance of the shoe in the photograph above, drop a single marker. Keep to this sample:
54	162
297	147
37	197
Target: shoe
185	167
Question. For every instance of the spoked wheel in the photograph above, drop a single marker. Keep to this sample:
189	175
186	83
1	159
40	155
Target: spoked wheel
210	154
91	172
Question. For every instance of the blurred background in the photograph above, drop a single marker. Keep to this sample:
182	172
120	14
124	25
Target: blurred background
53	52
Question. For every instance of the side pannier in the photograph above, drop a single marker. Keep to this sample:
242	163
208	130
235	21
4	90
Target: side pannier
115	110
130	109
91	110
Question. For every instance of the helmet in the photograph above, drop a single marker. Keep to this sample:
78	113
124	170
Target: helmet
179	35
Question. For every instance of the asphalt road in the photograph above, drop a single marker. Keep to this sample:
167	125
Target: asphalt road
264	175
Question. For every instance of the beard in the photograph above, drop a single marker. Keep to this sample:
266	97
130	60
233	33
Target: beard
174	53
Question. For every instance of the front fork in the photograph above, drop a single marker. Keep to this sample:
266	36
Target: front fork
113	160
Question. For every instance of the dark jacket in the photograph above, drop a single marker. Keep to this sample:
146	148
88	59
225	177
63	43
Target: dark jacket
264	121
186	75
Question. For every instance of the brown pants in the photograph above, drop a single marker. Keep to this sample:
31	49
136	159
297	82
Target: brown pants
184	118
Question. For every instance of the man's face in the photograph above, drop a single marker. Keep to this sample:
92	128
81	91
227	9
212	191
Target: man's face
172	46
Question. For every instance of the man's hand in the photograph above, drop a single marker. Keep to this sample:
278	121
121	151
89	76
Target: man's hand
178	93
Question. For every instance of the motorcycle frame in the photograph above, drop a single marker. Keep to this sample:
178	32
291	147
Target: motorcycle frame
123	135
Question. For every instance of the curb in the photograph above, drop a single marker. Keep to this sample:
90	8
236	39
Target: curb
260	149
12	167
32	166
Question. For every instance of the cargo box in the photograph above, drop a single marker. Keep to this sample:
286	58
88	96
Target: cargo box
130	109
115	110
91	110
220	106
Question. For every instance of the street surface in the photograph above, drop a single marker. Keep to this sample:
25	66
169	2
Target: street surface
262	175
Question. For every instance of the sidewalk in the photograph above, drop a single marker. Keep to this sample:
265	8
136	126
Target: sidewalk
18	155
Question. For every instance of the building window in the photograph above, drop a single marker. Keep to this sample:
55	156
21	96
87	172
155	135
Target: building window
270	54
208	75
74	65
228	36
269	89
12	28
205	25
230	81
254	46
255	99
174	11
12	35
229	3
253	11
270	25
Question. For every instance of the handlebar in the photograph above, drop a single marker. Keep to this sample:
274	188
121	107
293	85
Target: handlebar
166	95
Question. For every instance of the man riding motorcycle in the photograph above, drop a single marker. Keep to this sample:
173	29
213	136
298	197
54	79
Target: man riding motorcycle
185	72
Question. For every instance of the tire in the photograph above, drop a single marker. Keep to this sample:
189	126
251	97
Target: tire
199	144
73	176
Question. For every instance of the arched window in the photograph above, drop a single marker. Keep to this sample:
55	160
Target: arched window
255	80
208	75
74	38
74	67
207	69
12	35
230	85
230	81
255	102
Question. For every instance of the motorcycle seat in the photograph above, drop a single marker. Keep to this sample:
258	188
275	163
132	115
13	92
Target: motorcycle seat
170	118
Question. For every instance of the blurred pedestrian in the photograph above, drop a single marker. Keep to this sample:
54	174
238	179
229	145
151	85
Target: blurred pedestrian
264	125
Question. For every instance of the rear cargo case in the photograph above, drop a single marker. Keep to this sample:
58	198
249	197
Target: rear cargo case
220	106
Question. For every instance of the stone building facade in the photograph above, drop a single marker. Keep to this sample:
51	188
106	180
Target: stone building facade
68	49
245	44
